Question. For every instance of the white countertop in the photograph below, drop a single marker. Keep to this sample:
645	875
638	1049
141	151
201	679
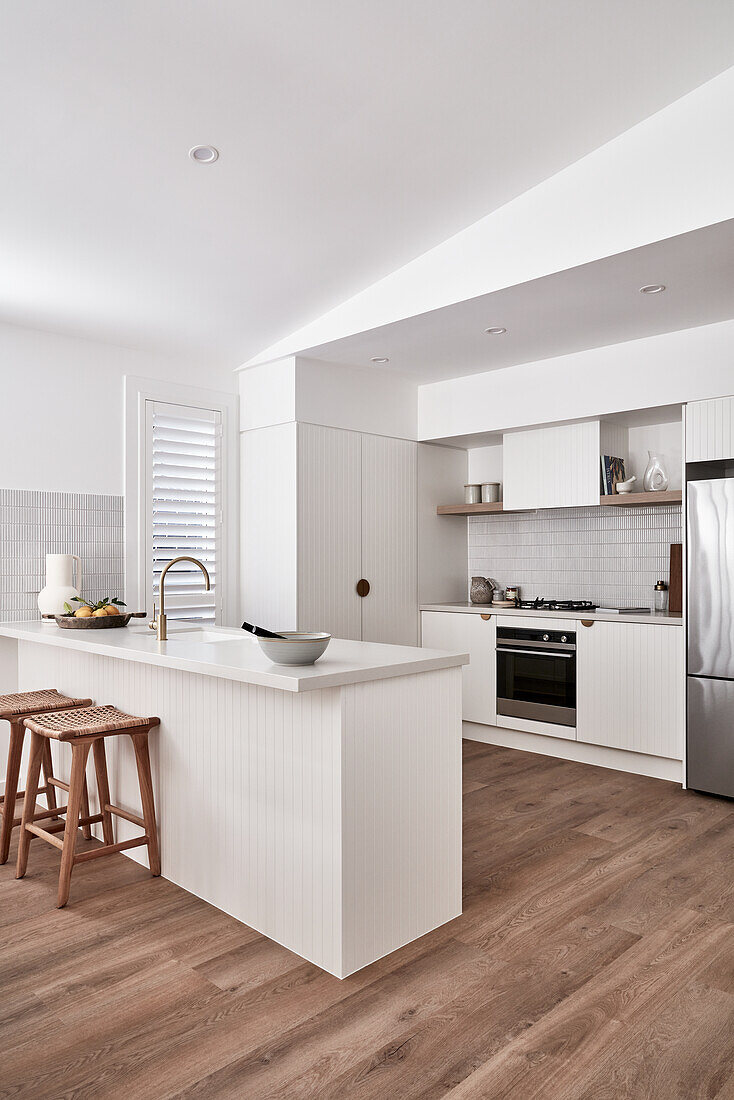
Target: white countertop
230	654
657	618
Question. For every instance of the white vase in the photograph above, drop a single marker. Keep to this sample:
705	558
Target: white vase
59	588
655	478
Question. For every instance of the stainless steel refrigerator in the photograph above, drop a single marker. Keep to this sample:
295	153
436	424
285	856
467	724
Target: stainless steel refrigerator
711	636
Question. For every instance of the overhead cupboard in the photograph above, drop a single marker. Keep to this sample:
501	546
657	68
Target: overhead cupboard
558	466
710	430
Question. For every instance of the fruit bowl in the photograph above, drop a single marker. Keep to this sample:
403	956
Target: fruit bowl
108	622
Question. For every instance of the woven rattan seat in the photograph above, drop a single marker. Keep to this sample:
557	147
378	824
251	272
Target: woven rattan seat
85	728
35	702
14	708
85	722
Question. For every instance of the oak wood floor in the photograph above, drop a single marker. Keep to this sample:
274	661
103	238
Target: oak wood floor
594	958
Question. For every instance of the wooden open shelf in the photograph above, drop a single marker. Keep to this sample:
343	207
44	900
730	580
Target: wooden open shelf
624	500
670	496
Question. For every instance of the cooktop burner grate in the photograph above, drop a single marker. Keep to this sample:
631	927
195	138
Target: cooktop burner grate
541	604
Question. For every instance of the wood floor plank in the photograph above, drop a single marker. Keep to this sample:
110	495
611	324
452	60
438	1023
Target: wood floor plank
594	958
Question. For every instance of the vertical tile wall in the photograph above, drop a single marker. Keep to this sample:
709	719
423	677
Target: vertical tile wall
611	555
33	524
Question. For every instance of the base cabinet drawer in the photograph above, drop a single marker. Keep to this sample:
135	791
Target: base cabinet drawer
476	635
630	687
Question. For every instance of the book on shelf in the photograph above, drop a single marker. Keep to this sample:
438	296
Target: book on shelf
612	471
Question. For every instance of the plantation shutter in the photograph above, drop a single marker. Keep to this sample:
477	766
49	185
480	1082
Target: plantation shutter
185	507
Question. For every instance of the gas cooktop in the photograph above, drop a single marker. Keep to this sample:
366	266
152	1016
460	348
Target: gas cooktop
540	604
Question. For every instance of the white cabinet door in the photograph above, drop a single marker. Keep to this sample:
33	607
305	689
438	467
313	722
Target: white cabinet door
630	687
475	635
710	429
329	530
389	540
551	467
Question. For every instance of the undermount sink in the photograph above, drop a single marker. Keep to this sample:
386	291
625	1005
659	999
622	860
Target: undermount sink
190	634
201	634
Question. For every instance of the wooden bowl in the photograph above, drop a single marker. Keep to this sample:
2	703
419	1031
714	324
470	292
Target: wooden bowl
109	622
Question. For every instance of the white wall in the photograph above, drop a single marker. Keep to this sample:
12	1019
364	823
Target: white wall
670	369
62	402
484	464
336	396
378	402
663	439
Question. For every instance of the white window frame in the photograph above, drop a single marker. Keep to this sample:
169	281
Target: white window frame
138	391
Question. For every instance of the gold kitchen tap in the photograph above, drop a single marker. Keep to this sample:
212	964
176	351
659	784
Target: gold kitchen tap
159	623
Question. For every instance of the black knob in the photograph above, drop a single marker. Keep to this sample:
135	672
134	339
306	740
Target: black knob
546	637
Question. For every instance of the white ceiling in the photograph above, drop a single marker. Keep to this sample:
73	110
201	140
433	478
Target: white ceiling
354	136
583	307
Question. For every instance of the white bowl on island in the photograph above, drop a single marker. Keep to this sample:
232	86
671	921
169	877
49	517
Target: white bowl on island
296	647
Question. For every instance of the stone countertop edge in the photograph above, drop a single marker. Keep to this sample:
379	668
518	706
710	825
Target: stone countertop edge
240	658
654	618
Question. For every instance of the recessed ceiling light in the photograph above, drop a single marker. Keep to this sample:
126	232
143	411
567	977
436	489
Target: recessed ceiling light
652	288
204	154
497	330
379	359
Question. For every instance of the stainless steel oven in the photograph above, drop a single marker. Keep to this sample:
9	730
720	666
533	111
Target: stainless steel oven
536	674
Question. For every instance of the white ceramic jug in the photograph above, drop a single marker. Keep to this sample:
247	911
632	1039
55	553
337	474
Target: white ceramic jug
59	587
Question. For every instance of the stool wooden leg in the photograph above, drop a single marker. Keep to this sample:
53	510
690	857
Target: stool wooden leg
142	759
15	750
79	755
86	829
103	789
48	771
29	803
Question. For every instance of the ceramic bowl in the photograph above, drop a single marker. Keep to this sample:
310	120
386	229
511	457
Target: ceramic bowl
296	647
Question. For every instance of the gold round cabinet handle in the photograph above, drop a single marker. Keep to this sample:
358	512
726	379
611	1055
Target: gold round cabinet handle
587	622
486	618
363	587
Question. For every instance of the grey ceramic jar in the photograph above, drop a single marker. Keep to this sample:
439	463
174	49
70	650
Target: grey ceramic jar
481	590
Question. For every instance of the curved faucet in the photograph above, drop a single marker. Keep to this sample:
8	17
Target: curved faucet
159	624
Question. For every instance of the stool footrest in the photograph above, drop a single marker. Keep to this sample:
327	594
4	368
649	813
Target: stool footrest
44	835
54	782
21	794
60	826
119	812
107	849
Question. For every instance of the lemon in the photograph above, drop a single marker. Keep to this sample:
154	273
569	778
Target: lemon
100	613
110	609
83	613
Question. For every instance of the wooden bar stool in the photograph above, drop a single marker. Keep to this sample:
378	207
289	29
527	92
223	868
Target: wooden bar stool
14	709
84	729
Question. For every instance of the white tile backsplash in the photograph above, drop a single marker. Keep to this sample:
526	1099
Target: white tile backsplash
34	523
611	555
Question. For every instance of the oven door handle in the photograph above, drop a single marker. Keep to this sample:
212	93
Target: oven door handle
534	652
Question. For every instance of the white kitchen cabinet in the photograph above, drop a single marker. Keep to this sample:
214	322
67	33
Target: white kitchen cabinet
630	687
476	635
710	430
357	520
555	467
329	531
389	540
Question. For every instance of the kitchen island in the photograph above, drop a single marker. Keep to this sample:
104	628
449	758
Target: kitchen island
319	805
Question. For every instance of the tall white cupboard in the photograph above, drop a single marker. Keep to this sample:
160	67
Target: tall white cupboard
330	530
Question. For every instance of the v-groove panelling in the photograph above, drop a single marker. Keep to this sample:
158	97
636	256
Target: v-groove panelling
328	820
329	530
